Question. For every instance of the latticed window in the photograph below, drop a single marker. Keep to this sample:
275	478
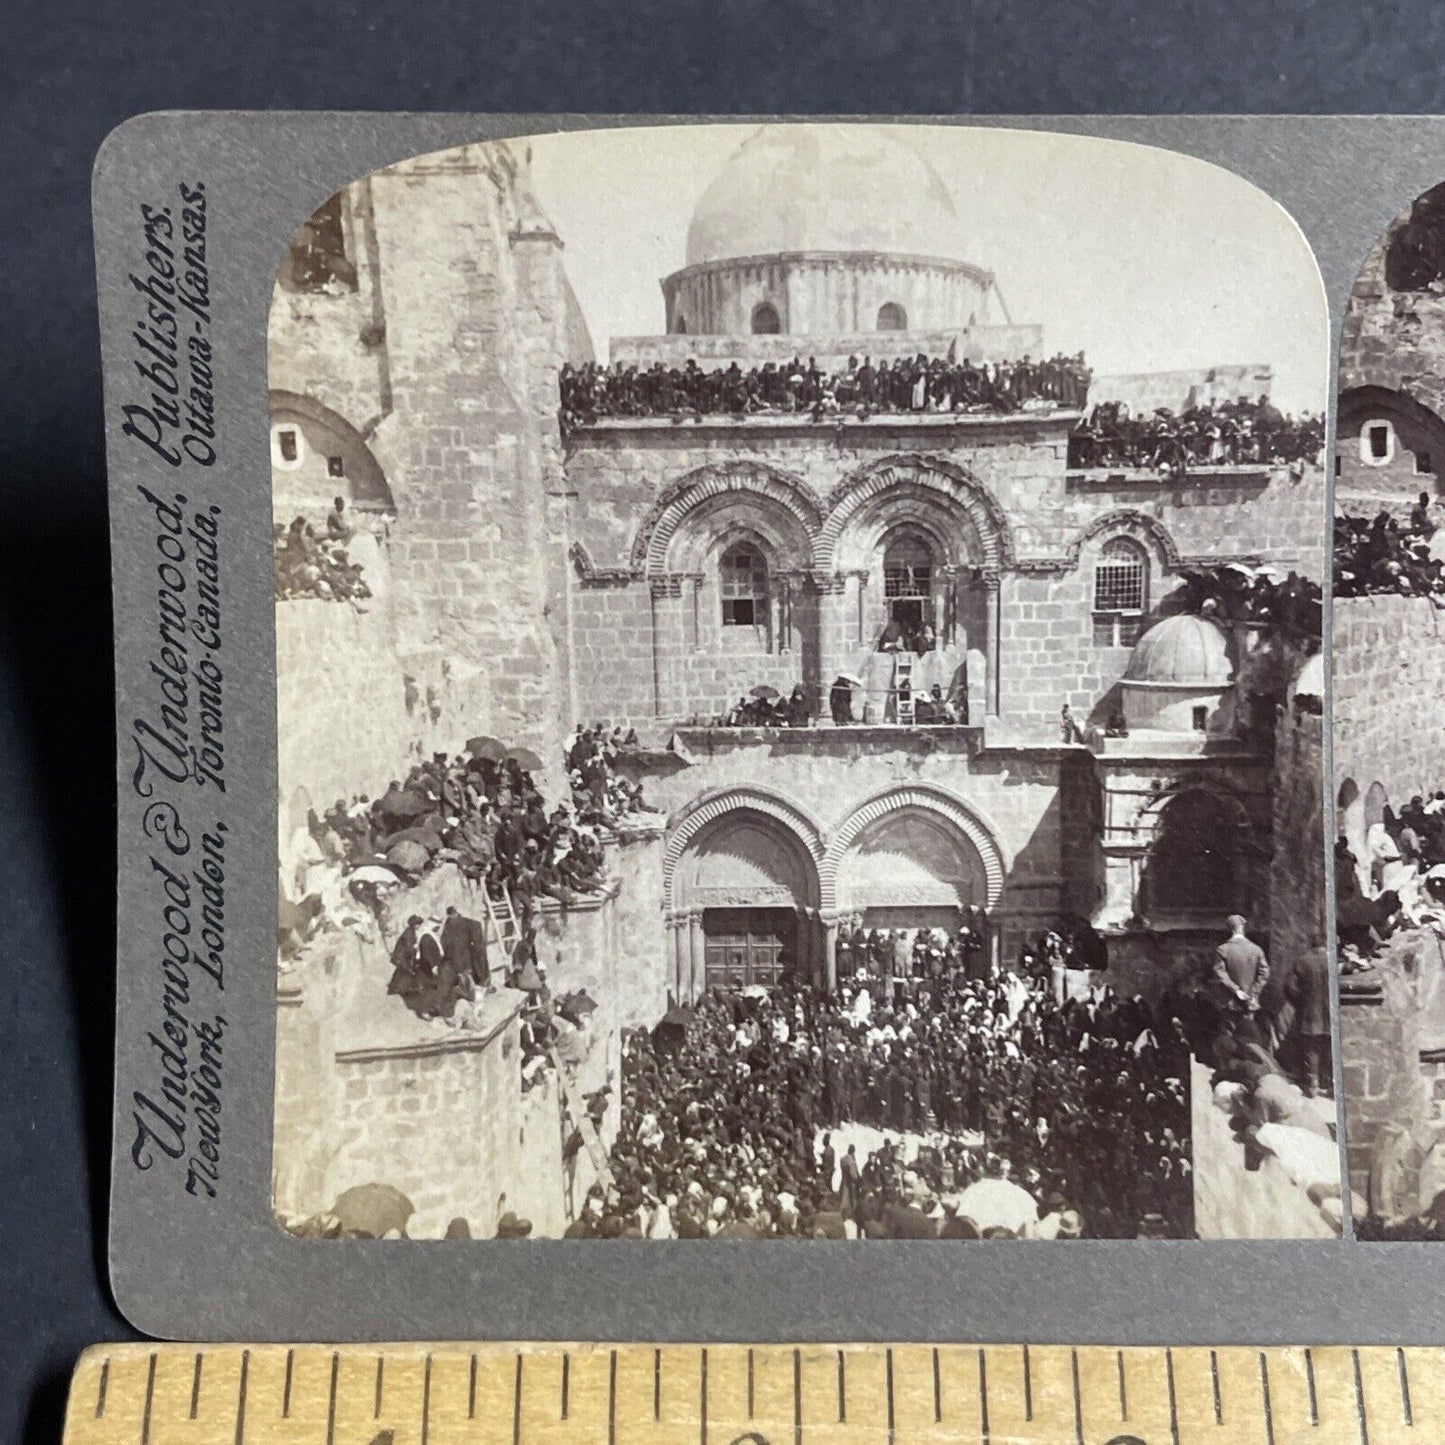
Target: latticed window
743	574
1121	593
907	569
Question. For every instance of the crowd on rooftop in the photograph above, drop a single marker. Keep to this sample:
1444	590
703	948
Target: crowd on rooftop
863	387
1382	554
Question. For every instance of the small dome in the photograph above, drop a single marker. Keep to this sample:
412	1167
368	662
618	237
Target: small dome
1183	650
824	188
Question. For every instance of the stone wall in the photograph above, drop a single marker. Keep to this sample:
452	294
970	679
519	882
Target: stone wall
646	614
1389	657
1297	858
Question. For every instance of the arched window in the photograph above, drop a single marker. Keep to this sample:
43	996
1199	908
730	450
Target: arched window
1121	593
1193	866
766	321
1377	442
743	578
908	566
892	317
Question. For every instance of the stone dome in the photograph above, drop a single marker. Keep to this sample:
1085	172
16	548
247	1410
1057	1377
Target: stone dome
1182	651
834	187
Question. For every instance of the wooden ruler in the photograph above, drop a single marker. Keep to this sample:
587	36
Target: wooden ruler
415	1394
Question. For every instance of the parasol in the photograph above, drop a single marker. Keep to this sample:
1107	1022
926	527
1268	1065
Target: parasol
373	1210
998	1204
372	873
754	990
525	759
409	857
489	749
762	690
852	678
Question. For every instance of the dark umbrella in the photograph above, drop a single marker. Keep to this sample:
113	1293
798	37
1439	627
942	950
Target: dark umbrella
765	692
426	835
373	1210
671	1029
491	750
408	856
525	759
405	805
576	1006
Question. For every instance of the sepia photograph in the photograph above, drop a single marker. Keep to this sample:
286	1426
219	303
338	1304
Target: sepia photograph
1389	742
800	696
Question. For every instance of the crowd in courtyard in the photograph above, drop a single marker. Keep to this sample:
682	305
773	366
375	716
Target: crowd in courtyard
1393	878
1382	554
1075	1114
918	383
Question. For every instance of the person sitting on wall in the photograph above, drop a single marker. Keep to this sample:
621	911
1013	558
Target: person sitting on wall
338	524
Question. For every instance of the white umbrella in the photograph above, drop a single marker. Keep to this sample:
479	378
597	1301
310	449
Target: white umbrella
372	873
998	1204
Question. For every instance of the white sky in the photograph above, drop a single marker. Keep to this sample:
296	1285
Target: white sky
1143	259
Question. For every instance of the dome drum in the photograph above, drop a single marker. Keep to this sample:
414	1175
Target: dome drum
1177	677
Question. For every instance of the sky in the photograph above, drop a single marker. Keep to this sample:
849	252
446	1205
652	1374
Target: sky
1143	259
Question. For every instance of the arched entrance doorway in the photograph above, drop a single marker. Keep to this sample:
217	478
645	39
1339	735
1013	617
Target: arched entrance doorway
743	893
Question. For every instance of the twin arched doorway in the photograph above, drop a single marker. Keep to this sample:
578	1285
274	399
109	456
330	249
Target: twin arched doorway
753	890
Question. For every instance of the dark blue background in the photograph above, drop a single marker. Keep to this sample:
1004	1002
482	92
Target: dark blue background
73	69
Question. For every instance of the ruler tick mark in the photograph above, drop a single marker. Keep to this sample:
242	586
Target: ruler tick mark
426	1400
937	1389
983	1396
100	1391
1310	1387
1264	1392
1404	1373
472	1391
331	1400
286	1388
612	1394
1360	1400
656	1381
891	1426
196	1385
1214	1377
1123	1388
702	1395
517	1404
1028	1386
145	1424
380	1378
566	1381
797	1397
241	1396
1078	1399
842	1391
1173	1398
750	1384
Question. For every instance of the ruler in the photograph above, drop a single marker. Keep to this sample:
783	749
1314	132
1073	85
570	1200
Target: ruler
545	1394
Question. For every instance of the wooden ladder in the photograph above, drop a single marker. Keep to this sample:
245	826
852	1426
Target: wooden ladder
903	689
502	917
575	1110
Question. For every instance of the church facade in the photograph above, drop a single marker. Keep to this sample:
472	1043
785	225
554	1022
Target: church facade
649	571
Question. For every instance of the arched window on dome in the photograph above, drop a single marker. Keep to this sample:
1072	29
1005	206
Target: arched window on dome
766	321
892	317
1121	593
743	584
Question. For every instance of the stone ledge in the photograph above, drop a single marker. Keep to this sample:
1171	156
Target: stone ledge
802	424
1198	476
411	1037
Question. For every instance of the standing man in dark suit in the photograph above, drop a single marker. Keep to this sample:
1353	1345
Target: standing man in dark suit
1240	967
464	947
1309	991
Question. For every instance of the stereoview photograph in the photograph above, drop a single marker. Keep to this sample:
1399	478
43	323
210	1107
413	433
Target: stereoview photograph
800	693
1389	742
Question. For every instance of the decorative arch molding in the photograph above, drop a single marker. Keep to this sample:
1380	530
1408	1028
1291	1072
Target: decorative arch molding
1140	527
741	478
916	471
942	805
373	480
711	806
1146	818
1358	404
